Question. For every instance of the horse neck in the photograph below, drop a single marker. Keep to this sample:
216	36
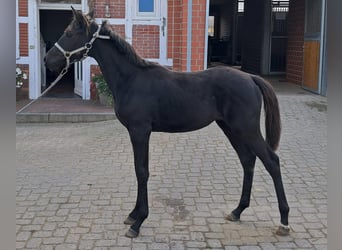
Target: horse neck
115	67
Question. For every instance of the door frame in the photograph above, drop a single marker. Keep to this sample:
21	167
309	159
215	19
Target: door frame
34	45
321	37
132	18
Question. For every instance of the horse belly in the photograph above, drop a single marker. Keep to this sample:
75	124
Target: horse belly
184	119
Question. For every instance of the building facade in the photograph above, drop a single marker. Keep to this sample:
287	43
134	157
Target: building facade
174	33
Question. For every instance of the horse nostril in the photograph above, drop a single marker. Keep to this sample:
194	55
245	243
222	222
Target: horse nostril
44	59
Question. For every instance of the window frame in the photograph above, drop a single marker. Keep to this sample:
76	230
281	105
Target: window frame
57	2
146	15
59	6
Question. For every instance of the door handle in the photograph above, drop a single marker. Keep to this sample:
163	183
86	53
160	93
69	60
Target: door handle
163	25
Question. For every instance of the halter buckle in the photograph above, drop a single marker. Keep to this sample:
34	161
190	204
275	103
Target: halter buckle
88	46
64	71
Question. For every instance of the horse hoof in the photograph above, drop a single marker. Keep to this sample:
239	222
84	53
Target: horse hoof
129	221
232	217
283	230
131	233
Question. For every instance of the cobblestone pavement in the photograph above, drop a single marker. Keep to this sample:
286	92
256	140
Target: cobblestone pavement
76	184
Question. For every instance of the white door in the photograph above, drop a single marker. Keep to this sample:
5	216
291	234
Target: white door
147	29
78	90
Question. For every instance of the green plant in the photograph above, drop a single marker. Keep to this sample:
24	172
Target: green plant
102	87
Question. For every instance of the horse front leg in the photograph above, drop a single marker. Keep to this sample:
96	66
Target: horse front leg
140	142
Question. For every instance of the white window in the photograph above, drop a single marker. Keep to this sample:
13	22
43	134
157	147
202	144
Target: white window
241	6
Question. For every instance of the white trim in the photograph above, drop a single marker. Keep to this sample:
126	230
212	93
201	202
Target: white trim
128	22
34	52
163	32
22	19
86	76
189	38
147	22
111	21
56	6
17	40
23	60
84	6
321	48
163	61
168	62
85	71
206	34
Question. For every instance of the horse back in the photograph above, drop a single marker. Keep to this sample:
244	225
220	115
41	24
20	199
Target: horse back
180	102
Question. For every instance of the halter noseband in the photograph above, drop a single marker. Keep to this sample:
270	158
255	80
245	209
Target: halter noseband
87	47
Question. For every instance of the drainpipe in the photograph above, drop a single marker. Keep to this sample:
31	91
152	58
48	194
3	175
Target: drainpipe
189	38
205	66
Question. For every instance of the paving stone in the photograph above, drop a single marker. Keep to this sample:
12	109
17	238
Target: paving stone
76	185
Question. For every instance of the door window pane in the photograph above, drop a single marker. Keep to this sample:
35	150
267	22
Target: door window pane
313	16
146	5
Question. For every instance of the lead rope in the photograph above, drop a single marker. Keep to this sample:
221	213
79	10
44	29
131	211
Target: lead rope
67	54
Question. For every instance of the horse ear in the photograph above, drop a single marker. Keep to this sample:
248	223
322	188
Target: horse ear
74	12
91	13
78	16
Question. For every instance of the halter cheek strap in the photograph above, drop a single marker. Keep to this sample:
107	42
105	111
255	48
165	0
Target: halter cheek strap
87	47
67	54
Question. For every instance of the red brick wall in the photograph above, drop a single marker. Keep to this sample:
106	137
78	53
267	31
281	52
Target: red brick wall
23	39
23	47
119	29
146	40
295	45
23	8
177	33
171	26
198	34
116	8
23	28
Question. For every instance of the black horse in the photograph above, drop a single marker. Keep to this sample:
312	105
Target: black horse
149	97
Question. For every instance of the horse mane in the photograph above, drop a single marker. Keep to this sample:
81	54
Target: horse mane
124	47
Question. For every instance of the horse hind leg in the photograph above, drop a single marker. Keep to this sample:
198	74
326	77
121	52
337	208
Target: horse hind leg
271	163
247	159
248	150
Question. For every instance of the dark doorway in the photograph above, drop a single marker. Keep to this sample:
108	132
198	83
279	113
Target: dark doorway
224	32
279	36
52	26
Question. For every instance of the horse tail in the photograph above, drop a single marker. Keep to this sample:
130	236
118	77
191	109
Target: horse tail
272	115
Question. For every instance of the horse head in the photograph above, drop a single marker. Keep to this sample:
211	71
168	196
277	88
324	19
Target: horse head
73	45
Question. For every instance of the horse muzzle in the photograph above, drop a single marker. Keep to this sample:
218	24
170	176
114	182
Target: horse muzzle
54	61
